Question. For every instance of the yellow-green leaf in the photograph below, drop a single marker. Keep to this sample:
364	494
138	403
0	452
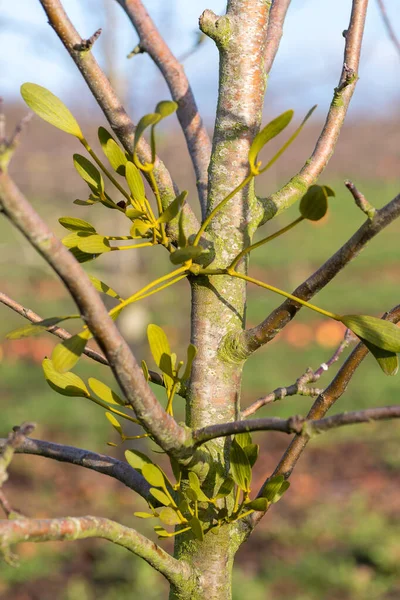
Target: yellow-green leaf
168	516
66	355
260	504
116	156
144	123
145	370
194	484
183	254
268	133
115	423
275	488
72	239
153	475
160	496
143	515
243	439
36	328
166	108
50	108
76	224
102	287
134	181
251	452
137	459
388	361
196	528
66	384
80	256
104	392
173	209
314	204
134	213
226	488
158	343
89	172
240	467
94	244
384	334
139	228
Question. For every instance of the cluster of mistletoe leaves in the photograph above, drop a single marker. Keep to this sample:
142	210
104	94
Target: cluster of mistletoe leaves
184	505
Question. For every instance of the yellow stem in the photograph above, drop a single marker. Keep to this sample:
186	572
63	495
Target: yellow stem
156	191
326	313
264	241
207	221
113	410
171	397
144	245
104	169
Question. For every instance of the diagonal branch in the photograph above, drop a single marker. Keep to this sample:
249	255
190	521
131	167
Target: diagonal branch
107	465
197	138
166	432
79	528
277	15
109	102
388	26
254	338
317	162
63	334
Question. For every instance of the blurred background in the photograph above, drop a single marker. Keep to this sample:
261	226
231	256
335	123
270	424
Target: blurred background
336	533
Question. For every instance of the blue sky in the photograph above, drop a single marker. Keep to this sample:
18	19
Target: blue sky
305	72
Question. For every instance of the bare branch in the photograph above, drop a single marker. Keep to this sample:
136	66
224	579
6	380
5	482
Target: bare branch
197	138
107	465
300	386
11	444
277	15
254	338
63	334
388	26
368	415
79	528
166	432
110	103
317	162
361	200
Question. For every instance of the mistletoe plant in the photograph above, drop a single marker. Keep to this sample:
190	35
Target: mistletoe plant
209	505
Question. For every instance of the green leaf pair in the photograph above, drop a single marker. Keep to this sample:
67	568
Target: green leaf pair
162	110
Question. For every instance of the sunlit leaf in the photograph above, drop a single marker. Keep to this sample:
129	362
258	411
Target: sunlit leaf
268	133
137	459
66	355
102	287
260	504
226	488
72	239
35	328
112	151
168	516
243	439
50	108
195	525
94	244
275	488
384	334
88	172
314	204
74	224
88	202
195	486
158	343
80	256
144	123
104	392
143	515
134	181
160	531
183	254
153	475
115	423
285	486
160	496
240	467
387	360
173	209
139	228
145	371
66	384
134	213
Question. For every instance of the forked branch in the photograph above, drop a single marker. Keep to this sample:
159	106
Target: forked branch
277	15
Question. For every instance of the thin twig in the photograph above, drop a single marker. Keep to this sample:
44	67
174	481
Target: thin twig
197	138
11	444
107	465
85	45
317	162
277	15
300	386
63	334
361	200
167	433
388	26
254	338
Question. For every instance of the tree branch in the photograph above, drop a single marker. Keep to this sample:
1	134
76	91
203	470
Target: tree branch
79	528
254	338
277	15
166	432
107	465
317	162
110	104
299	387
63	334
388	26
197	138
